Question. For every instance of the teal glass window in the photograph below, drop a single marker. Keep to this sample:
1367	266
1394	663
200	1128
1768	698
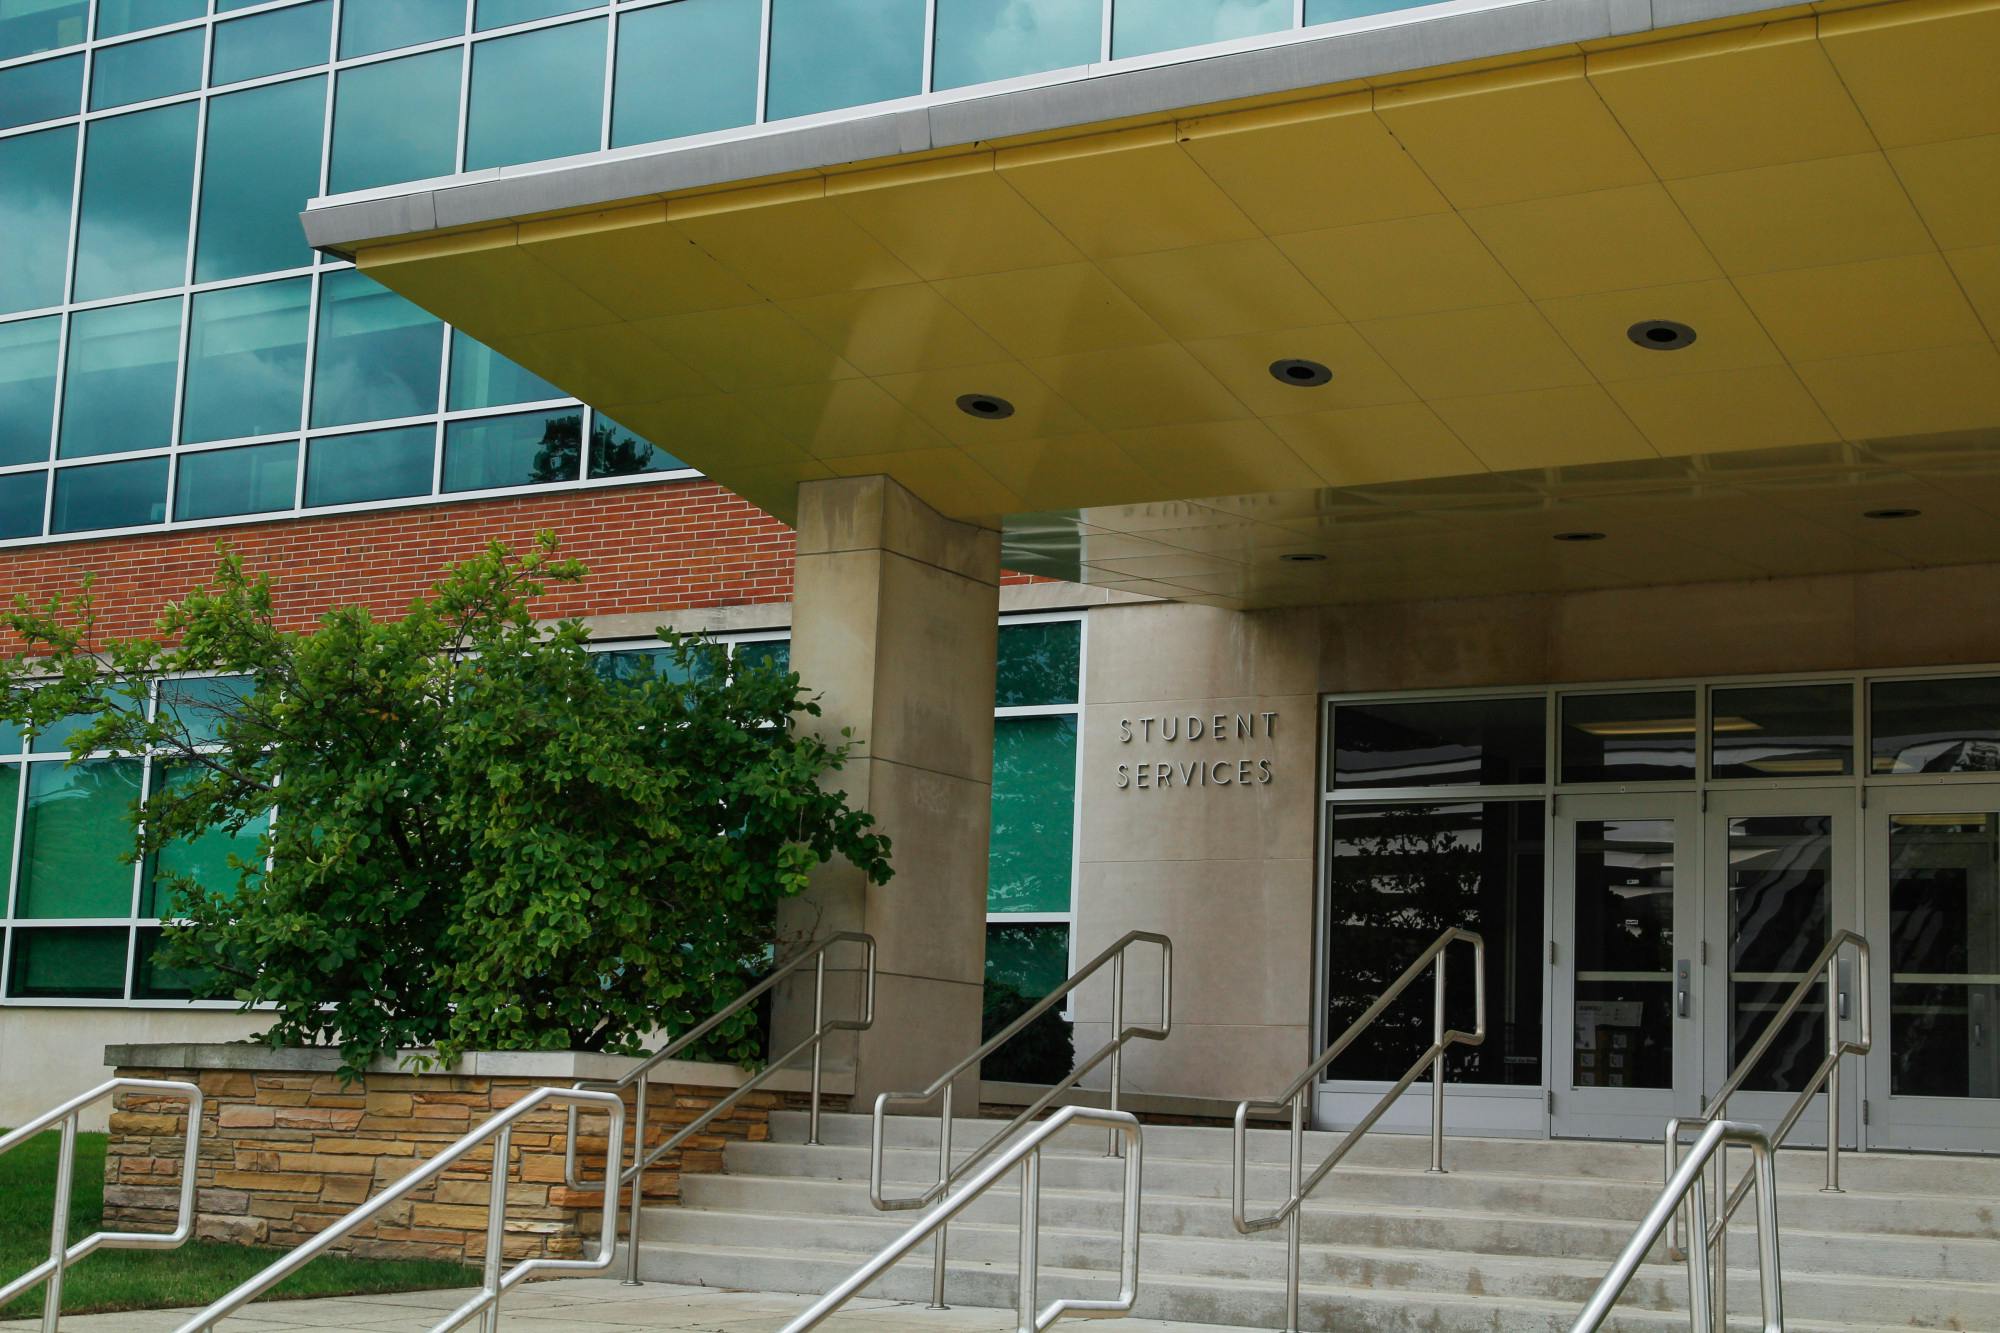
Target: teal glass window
617	452
84	964
111	495
368	26
56	737
138	178
503	13
115	18
204	859
395	121
79	824
45	90
481	377
216	483
118	389
686	68
1040	663
260	166
152	979
250	48
198	704
246	361
979	41
28	26
828	54
37	175
1024	962
521	450
27	388
10	790
1140	27
1029	958
1034	814
377	356
140	71
773	653
371	465
21	497
1332	11
536	95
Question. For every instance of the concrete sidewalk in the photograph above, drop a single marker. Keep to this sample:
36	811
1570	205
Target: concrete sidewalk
589	1305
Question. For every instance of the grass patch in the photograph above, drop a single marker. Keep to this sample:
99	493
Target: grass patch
195	1274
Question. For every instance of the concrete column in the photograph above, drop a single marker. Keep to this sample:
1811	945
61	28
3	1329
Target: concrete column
895	626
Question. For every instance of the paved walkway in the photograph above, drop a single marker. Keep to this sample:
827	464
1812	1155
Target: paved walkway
588	1305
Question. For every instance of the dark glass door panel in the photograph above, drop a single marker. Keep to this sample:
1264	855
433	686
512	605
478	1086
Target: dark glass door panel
1944	954
1780	886
1622	1033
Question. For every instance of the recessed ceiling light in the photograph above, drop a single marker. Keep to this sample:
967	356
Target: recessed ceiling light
985	406
1891	513
1300	373
1579	536
1302	557
1660	335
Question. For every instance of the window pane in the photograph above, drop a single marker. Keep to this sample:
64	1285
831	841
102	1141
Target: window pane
1025	962
378	354
1332	11
1039	664
982	40
396	121
368	26
37	175
687	68
154	980
536	96
204	859
501	13
1034	814
617	452
1139	27
10	790
27	388
42	91
1397	876
261	165
1783	731
1629	737
28	26
68	964
218	482
1623	951
140	71
138	177
118	17
1944	950
1780	885
1438	742
199	704
773	653
21	496
272	43
481	377
524	450
246	361
827	54
79	823
374	465
118	389
111	495
55	738
1917	726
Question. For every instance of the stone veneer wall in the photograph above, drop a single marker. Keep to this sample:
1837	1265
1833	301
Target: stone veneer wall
287	1149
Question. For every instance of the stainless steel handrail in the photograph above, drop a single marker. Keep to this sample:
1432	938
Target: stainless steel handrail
1685	1186
1828	1074
61	1253
1027	1152
1297	1095
940	1089
641	1158
493	1282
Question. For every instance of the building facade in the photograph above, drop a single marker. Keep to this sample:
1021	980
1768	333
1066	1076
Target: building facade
1532	467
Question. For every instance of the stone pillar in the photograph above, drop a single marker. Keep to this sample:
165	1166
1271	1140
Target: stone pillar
895	626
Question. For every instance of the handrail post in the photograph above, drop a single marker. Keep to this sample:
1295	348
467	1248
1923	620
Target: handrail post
1031	1221
819	1017
614	1172
939	1255
59	1228
1832	1185
1112	1138
1437	1068
1296	1222
496	1231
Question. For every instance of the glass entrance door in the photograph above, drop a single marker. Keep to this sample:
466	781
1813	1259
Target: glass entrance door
1934	1075
1627	915
1780	878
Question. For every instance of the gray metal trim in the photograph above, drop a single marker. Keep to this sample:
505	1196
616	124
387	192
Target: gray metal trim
623	175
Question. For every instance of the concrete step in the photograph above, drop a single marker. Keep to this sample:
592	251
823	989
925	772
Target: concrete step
1165	1294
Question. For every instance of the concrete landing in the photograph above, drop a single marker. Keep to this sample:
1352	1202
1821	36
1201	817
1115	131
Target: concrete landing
588	1305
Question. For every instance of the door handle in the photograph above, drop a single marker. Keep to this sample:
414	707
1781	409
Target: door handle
1682	973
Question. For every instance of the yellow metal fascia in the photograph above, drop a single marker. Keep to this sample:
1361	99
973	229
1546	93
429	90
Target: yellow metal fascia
904	171
1900	13
565	226
1359	103
1728	41
446	245
735	201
